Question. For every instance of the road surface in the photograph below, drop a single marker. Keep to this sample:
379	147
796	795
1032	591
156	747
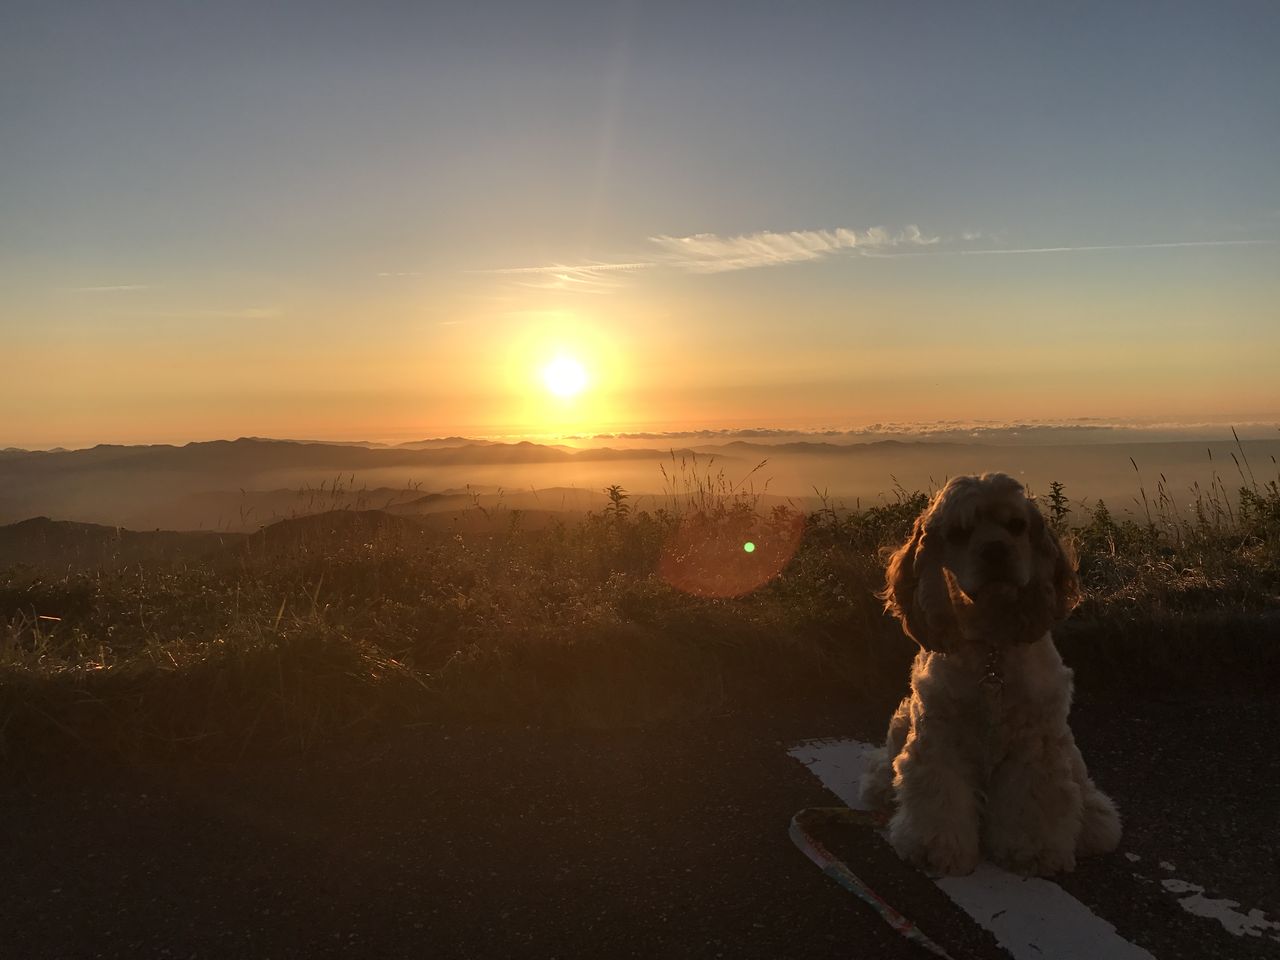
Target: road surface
498	841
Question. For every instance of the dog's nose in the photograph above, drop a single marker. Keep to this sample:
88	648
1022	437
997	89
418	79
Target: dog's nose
997	551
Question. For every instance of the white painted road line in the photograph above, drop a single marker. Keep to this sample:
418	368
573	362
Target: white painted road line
1191	898
1032	918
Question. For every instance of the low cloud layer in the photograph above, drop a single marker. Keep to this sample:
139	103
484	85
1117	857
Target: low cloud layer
994	432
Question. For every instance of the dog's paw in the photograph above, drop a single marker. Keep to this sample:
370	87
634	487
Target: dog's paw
1032	855
947	852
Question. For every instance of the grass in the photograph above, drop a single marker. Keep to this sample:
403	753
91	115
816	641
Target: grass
339	627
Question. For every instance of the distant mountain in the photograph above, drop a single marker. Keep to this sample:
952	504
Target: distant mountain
331	443
441	442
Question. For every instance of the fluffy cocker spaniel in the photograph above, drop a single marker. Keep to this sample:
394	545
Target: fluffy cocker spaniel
979	758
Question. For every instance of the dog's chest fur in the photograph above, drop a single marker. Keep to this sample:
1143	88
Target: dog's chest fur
1032	697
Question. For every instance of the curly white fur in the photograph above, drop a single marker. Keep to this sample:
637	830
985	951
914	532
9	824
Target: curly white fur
972	768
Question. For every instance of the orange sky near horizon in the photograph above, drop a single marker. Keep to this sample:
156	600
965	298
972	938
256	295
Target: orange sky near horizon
649	366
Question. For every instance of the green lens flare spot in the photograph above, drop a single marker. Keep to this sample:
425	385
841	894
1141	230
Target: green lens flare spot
749	547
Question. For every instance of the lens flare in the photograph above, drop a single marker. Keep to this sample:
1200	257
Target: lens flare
728	558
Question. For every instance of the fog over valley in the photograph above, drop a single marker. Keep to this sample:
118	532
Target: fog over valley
243	484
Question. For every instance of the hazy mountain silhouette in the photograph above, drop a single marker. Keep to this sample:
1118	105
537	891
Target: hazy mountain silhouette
240	484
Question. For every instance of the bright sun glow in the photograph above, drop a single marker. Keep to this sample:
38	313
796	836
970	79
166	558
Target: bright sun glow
564	376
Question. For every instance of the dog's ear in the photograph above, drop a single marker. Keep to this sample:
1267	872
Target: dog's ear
1055	565
915	590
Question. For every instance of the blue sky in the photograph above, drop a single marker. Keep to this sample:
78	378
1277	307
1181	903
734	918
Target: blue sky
296	217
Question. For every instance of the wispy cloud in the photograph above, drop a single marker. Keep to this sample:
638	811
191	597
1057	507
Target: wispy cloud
712	253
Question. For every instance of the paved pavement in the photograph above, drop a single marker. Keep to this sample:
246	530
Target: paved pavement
488	841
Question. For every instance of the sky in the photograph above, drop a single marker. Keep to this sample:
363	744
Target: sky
386	220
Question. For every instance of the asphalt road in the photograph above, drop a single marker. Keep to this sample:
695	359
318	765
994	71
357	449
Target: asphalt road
671	842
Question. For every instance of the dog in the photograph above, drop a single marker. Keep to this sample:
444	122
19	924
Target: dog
979	758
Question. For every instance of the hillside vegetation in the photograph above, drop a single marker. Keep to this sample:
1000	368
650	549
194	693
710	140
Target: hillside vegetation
330	628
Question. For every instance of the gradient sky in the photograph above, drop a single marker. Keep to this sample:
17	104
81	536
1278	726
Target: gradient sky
379	220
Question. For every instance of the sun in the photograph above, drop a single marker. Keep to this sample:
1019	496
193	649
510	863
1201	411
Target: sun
564	376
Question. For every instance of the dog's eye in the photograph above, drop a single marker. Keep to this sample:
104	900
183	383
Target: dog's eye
958	534
1016	525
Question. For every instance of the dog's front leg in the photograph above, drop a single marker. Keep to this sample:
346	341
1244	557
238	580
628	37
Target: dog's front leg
1033	813
936	823
877	778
